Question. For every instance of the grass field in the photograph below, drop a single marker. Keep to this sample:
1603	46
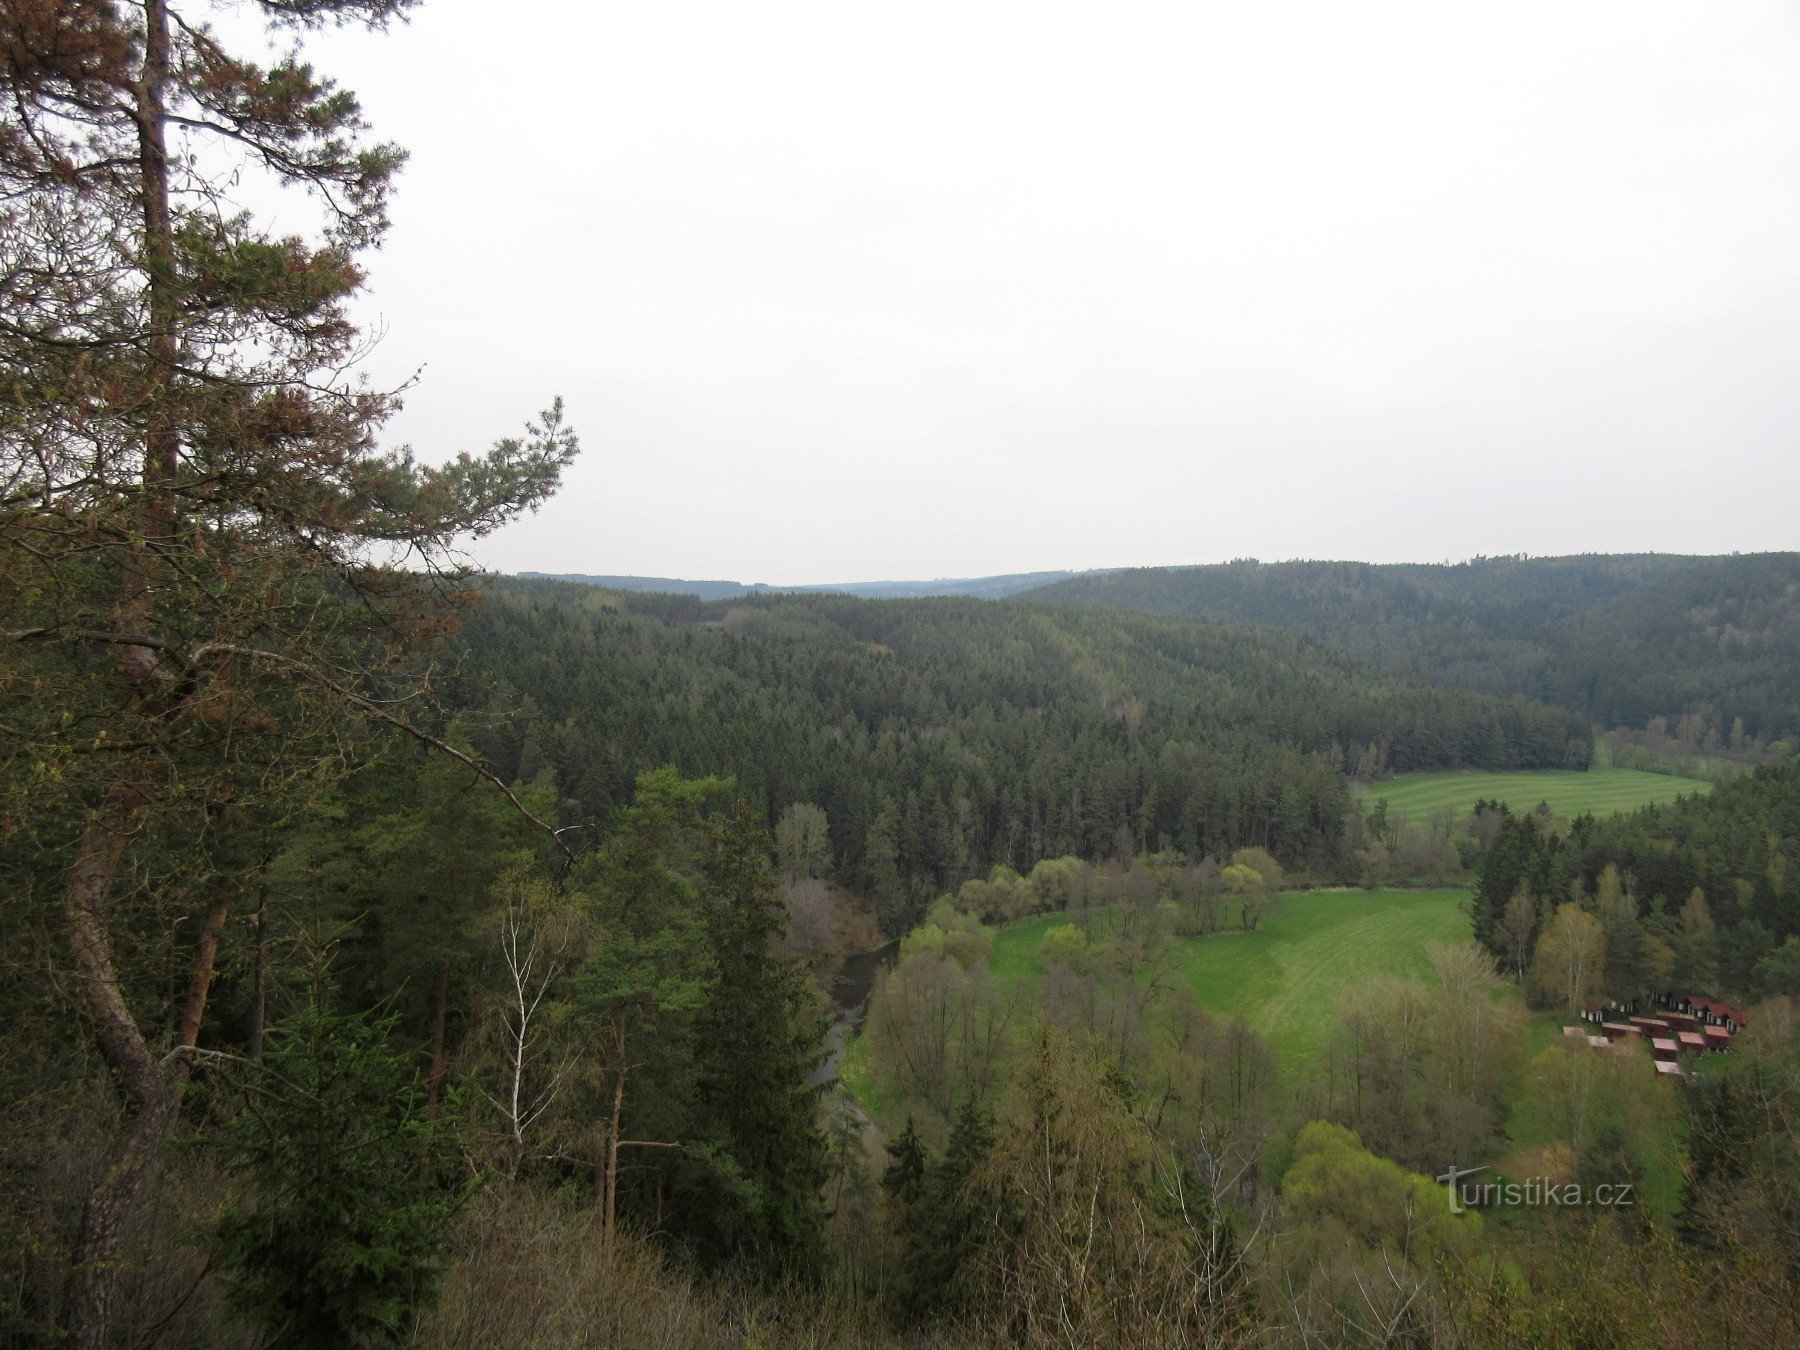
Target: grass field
1289	977
1568	791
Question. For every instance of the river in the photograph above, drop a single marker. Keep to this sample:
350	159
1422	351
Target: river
849	1001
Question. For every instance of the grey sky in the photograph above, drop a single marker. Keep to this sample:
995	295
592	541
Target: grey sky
842	291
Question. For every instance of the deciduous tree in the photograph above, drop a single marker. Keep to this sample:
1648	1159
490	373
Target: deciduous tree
1571	958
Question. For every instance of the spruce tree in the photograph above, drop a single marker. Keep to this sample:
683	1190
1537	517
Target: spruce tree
756	1192
953	1216
348	1220
648	972
904	1178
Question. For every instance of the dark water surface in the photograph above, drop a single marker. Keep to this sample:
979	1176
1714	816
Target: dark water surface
849	1000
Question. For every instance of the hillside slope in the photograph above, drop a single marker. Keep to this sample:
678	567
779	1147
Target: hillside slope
942	736
1621	639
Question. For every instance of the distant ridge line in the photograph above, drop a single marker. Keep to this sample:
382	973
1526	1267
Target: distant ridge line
985	588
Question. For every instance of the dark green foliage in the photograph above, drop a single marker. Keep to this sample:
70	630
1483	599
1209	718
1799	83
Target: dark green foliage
755	1194
904	1177
947	1217
651	959
431	855
347	1229
968	733
1524	852
1777	975
1621	639
1737	846
1740	845
640	985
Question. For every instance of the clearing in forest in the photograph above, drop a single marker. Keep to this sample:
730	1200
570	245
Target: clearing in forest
1570	792
1291	977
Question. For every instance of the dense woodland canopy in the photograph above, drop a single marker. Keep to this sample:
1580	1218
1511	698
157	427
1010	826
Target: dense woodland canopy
943	736
372	979
1622	639
1704	892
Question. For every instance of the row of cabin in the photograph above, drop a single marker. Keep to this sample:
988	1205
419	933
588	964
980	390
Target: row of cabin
1685	1026
1711	1012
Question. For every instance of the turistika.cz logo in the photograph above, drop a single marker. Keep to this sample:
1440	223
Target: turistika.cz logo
1533	1192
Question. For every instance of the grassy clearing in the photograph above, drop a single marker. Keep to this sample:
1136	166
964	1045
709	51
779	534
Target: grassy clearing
1289	978
1569	792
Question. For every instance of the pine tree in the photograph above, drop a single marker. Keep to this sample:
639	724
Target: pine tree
881	867
211	569
1503	871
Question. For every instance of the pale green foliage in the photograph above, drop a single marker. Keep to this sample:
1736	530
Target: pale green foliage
1064	945
947	931
1618	1117
803	843
1332	1179
1359	1263
1571	958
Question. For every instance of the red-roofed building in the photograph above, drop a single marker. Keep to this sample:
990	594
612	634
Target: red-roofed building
1664	1048
1716	1012
1670	1067
1692	1043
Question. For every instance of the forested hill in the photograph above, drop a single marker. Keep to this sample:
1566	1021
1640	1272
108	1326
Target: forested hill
1622	639
986	588
941	736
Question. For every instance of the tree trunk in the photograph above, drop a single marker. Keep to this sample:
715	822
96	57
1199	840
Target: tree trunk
148	1096
105	1220
126	1053
149	1091
259	989
439	1014
609	1181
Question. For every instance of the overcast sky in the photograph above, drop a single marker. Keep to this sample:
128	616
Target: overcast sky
844	291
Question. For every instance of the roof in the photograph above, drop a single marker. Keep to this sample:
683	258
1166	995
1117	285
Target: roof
1668	1066
1718	1007
1660	1043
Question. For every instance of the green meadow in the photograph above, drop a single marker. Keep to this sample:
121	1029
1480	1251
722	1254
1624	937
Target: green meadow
1290	977
1569	792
